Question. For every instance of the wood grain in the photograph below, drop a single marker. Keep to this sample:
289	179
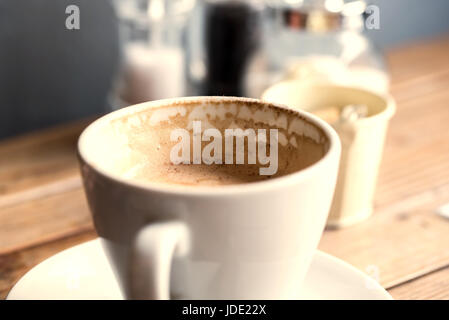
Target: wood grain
403	241
49	218
40	188
433	286
36	159
416	60
416	155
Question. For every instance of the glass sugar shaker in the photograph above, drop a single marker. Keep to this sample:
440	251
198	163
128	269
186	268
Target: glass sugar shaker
152	34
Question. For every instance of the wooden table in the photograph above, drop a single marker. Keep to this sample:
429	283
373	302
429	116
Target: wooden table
405	244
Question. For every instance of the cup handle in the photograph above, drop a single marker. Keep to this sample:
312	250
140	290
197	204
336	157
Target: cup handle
155	246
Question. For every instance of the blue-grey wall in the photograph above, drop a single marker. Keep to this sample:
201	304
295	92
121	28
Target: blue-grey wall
403	21
49	74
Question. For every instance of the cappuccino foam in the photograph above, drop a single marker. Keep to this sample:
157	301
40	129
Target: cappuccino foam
138	146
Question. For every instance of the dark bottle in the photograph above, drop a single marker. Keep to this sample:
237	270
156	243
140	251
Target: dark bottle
230	35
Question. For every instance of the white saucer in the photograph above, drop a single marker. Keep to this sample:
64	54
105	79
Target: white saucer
83	272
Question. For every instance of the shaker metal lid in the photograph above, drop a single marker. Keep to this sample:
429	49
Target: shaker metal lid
318	15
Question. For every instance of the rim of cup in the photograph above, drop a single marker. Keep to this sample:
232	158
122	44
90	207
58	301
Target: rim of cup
388	112
233	189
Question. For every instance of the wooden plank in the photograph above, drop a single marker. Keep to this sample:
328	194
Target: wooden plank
402	242
422	87
15	265
40	188
433	286
41	191
37	159
42	220
416	155
415	60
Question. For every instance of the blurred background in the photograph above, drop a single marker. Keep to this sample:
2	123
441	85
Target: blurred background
128	51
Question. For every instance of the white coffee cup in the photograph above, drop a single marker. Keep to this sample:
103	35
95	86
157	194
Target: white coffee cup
362	141
243	241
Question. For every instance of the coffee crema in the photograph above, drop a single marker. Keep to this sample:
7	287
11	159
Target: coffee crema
138	146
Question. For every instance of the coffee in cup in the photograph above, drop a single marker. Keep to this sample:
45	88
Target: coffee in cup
213	144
